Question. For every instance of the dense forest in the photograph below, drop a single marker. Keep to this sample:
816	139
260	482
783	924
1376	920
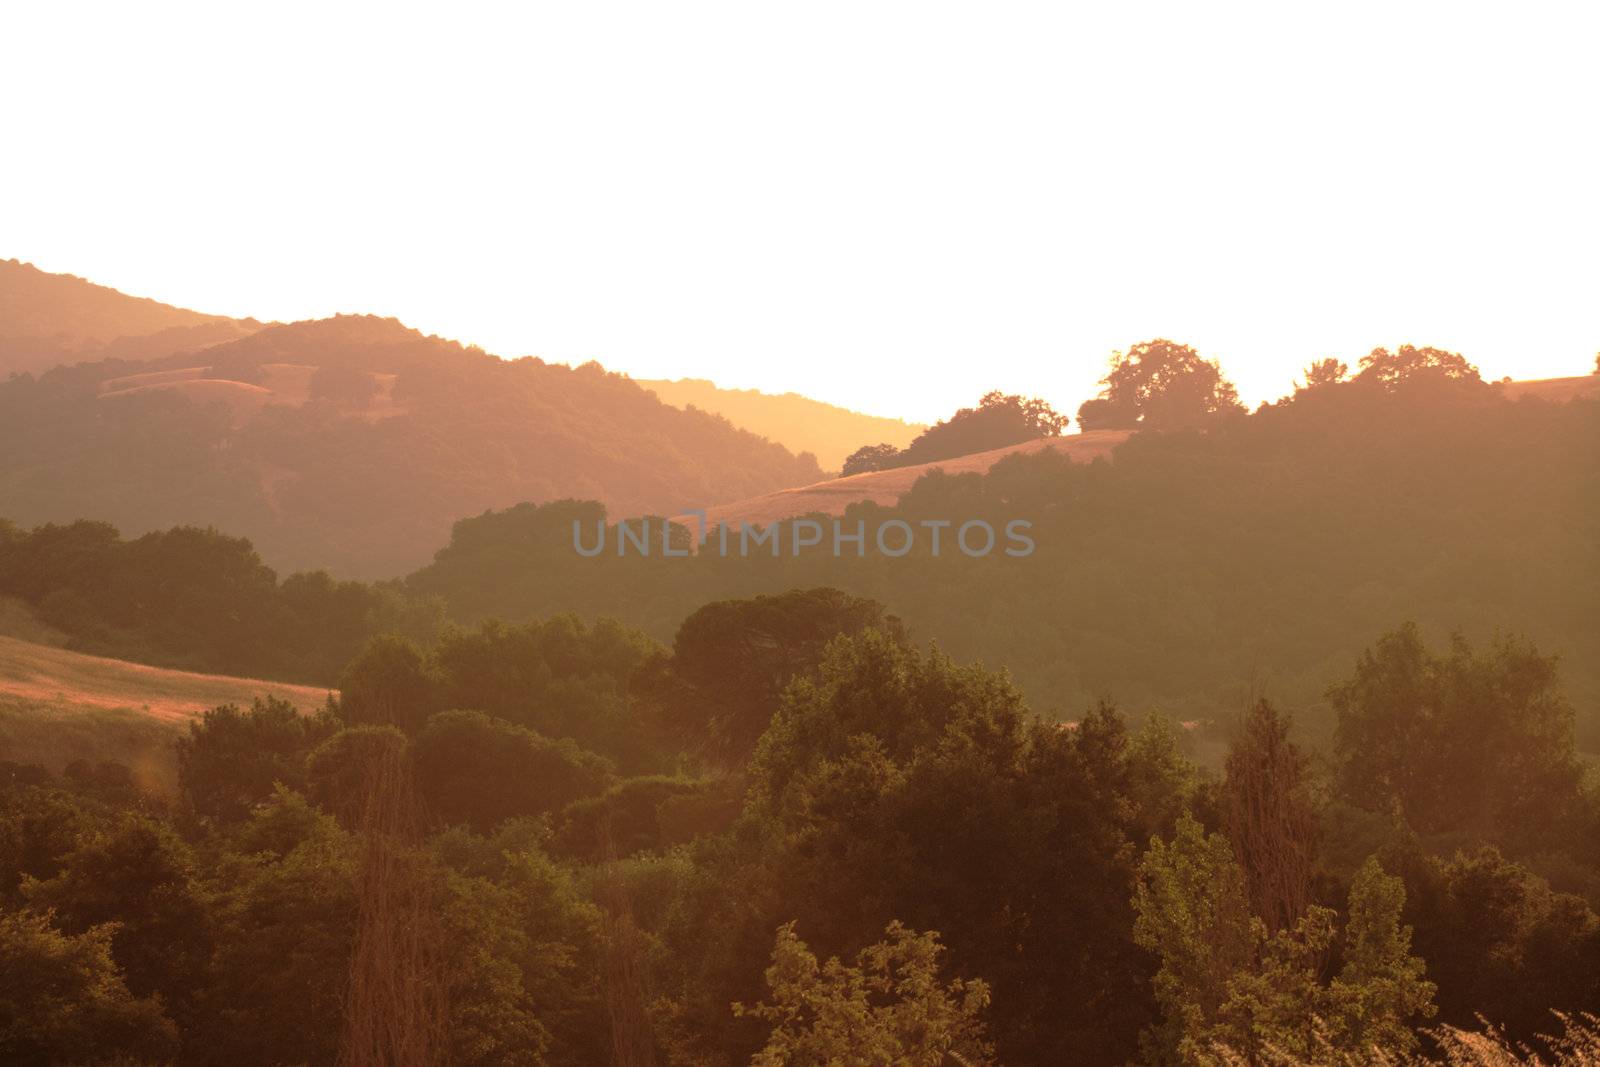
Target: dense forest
801	836
352	443
199	600
1193	569
1278	747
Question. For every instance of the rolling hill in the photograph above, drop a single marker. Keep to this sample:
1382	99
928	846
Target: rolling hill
1178	574
49	319
58	706
354	443
832	497
1556	390
797	422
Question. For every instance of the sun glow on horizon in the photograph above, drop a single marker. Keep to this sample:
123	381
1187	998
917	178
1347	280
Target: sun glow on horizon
890	208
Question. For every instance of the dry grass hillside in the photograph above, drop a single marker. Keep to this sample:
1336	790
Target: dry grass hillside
886	487
1583	387
58	706
288	384
797	422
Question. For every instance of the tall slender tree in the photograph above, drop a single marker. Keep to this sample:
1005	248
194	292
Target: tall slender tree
1266	802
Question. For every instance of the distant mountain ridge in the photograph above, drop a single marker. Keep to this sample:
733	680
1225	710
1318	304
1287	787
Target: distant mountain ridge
798	422
49	319
354	443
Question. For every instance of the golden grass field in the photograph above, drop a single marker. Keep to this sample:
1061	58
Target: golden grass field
886	487
282	383
57	706
1554	389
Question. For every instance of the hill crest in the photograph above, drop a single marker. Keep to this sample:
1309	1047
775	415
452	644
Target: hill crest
49	319
802	424
355	442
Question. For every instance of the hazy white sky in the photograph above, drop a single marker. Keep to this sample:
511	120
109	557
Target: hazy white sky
890	206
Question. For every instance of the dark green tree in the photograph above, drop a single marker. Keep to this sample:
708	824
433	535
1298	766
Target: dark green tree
869	458
888	1008
135	872
230	760
391	683
479	770
732	659
63	1000
998	420
1324	372
1166	385
1410	365
1472	741
1269	816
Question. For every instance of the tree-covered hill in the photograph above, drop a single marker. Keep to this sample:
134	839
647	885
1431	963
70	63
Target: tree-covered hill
48	319
354	442
1192	570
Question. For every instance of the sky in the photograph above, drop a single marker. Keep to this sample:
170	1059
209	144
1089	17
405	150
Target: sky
894	207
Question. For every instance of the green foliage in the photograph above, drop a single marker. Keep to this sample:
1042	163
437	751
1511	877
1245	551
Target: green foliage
39	825
1476	742
231	760
894	783
1269	815
1182	567
998	420
731	661
390	683
641	814
1193	911
891	785
869	458
284	929
474	768
1380	989
1410	366
1229	988
62	1000
197	600
522	967
337	769
1160	384
1499	942
561	677
134	872
887	1010
1162	783
1324	372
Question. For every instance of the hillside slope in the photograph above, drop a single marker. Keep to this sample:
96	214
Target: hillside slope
797	422
1556	390
353	443
887	487
58	706
1178	575
49	319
